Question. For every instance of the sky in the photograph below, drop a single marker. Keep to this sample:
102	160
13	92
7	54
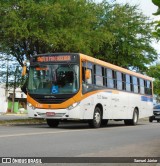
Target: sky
148	8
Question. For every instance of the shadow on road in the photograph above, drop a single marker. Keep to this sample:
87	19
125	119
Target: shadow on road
80	125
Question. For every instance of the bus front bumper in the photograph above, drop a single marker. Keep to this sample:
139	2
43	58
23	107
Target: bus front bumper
75	113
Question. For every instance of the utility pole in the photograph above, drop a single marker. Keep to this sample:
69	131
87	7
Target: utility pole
14	88
6	92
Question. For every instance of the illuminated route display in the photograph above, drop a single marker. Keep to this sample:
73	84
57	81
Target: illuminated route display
55	58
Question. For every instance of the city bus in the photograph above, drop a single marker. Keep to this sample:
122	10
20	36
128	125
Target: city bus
77	87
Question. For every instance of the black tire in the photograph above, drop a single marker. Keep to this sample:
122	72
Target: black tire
97	118
52	122
104	123
150	119
134	119
158	121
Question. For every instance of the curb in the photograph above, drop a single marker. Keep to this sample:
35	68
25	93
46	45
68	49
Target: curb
13	114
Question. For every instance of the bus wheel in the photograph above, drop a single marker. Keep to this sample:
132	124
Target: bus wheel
52	122
134	120
97	118
150	119
158	121
104	122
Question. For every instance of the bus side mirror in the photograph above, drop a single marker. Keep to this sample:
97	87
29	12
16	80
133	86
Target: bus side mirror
87	74
24	69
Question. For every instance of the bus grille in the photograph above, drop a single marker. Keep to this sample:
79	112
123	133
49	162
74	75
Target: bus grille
46	99
50	101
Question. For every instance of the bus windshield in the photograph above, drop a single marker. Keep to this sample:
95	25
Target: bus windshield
53	79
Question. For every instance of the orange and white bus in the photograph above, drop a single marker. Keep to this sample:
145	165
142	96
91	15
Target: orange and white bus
74	86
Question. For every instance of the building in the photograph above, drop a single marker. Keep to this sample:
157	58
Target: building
6	100
3	99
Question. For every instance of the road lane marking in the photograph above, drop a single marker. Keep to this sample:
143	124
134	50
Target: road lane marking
41	133
51	132
30	134
65	131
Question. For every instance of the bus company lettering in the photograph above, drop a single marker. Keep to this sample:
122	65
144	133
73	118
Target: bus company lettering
53	58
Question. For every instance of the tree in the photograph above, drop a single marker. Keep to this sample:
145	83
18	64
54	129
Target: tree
8	66
41	26
157	3
132	33
157	27
154	71
115	33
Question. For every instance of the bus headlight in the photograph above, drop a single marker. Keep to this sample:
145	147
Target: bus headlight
31	106
73	105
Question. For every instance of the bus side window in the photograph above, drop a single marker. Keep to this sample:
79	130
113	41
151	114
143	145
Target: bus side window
98	75
148	88
128	83
119	80
141	86
135	84
110	78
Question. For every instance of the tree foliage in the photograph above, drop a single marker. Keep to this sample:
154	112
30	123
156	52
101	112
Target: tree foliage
42	26
154	71
131	30
8	66
119	34
157	27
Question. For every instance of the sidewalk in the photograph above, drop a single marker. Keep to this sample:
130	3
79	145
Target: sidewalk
12	116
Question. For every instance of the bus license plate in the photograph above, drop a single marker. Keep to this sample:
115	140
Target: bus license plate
50	113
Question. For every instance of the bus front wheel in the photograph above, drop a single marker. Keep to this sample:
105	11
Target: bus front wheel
97	118
134	119
52	122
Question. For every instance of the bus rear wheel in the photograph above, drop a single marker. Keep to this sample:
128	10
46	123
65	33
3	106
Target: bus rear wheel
150	119
134	119
104	122
52	122
97	118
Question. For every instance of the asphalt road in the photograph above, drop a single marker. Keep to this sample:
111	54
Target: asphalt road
78	140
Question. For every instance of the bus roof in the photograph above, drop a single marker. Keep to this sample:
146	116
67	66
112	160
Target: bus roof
114	67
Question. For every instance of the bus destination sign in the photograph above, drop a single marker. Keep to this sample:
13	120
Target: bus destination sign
60	58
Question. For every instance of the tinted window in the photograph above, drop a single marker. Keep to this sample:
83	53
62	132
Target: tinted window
119	80
148	87
135	84
98	75
98	70
128	85
141	86
110	80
